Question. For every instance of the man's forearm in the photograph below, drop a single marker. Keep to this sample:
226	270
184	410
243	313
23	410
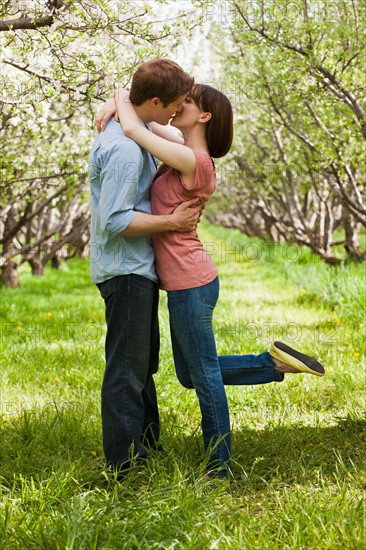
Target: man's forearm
144	224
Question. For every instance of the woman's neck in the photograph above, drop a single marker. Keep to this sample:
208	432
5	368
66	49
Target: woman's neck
196	140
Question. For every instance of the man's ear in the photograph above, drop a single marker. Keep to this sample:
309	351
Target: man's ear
154	102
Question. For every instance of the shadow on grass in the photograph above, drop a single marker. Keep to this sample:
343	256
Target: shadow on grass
37	443
301	454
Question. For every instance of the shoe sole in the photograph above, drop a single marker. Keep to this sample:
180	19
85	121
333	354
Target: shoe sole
293	358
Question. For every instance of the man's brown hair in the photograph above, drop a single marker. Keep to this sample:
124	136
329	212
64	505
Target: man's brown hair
160	78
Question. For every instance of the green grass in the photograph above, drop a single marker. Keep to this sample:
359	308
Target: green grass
299	447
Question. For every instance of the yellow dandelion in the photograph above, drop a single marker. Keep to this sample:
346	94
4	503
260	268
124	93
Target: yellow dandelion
93	453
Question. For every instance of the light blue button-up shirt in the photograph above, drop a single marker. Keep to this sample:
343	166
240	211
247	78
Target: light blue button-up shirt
120	173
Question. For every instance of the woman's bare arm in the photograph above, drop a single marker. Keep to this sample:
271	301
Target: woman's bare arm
109	110
166	132
176	155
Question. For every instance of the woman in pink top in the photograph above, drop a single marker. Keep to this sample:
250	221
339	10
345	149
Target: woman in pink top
187	272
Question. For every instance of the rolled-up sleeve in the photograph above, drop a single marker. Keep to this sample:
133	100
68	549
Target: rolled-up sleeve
121	170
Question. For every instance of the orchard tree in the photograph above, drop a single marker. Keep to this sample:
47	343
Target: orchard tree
297	171
58	59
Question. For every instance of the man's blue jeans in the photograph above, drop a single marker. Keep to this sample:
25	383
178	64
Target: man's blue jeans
198	366
130	418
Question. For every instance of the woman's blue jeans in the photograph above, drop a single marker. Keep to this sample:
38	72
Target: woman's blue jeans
198	366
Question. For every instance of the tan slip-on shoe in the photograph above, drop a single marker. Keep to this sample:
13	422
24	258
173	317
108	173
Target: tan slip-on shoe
297	360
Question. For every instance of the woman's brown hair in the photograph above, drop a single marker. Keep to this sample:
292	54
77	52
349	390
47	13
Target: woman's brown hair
220	128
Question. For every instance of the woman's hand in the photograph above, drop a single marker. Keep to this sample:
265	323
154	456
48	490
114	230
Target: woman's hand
107	110
121	94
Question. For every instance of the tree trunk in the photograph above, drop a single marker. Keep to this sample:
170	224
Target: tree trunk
56	261
36	266
9	268
9	274
351	228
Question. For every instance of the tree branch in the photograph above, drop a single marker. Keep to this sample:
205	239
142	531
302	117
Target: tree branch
328	78
50	81
29	214
25	22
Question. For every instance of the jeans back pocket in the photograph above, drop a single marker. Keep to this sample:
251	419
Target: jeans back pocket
210	293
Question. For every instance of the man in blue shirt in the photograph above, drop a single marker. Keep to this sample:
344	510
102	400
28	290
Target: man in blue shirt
122	263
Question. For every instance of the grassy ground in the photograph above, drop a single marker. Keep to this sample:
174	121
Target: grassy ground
299	446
